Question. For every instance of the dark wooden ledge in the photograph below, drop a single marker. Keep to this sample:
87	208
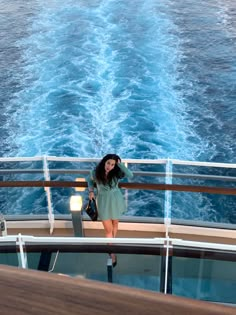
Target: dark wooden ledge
35	292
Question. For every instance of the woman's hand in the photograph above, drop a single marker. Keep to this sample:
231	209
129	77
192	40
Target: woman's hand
118	159
91	195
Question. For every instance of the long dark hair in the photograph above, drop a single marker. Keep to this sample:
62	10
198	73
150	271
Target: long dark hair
115	173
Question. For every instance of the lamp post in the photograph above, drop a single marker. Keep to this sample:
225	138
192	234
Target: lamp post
75	208
3	225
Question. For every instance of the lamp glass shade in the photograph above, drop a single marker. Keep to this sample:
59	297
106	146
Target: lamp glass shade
76	203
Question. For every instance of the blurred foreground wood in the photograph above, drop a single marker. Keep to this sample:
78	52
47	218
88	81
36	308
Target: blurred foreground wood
36	292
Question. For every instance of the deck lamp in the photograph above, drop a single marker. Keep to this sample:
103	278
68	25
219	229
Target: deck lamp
76	203
3	226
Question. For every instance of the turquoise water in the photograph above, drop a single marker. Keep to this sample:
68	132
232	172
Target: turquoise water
145	79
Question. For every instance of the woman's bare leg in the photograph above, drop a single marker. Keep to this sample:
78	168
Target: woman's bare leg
115	227
109	232
108	227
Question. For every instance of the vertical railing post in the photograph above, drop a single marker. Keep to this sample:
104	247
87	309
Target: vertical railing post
166	283
48	193
166	268
126	190
21	252
168	197
109	270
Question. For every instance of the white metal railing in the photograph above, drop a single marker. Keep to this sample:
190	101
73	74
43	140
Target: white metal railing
168	164
22	256
24	239
205	245
93	240
207	164
132	161
49	198
21	242
168	195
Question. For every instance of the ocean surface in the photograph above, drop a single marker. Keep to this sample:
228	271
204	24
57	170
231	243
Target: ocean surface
145	79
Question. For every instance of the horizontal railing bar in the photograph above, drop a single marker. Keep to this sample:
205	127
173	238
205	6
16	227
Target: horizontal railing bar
148	161
54	171
20	171
202	245
39	240
190	176
71	159
91	240
208	164
136	173
208	177
185	188
21	159
134	161
139	186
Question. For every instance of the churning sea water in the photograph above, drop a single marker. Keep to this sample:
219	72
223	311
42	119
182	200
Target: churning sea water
144	78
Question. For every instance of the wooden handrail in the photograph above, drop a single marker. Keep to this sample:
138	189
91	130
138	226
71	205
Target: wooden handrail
38	292
137	186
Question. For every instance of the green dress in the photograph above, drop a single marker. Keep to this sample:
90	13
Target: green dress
110	200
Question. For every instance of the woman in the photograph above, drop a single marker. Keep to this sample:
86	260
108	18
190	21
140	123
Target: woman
110	201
